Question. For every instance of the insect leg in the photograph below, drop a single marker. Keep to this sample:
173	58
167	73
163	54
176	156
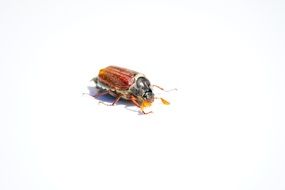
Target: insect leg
133	99
116	100
163	88
158	87
101	94
98	94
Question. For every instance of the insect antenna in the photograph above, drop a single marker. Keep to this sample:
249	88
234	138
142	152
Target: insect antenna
165	102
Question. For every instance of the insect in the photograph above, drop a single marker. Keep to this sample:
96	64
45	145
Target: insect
127	84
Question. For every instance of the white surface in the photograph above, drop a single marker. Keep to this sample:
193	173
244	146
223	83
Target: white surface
223	130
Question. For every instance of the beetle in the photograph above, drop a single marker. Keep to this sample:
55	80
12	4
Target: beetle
127	84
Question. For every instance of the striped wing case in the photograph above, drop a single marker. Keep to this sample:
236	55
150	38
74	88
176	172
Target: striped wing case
117	78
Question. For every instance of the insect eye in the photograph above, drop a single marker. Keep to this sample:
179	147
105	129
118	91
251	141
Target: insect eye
142	82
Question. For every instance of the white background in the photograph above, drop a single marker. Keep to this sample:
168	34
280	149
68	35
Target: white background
224	128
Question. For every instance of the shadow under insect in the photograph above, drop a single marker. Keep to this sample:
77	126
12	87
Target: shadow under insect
108	99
